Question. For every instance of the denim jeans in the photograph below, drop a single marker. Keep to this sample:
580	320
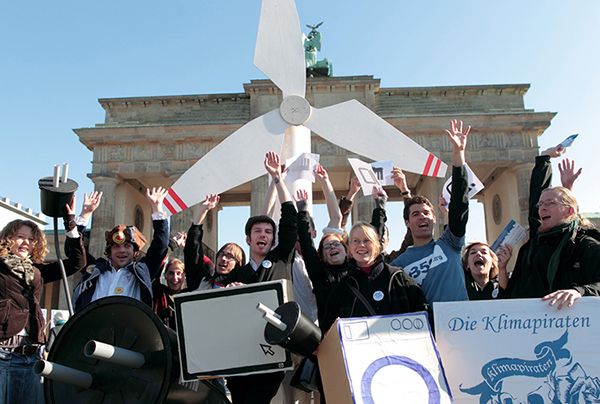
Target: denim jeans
18	383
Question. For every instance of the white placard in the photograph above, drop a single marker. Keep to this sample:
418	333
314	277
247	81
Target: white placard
520	351
301	167
365	174
383	171
473	183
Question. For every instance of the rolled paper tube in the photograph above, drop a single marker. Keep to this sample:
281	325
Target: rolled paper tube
55	177
275	321
65	172
63	374
113	354
266	310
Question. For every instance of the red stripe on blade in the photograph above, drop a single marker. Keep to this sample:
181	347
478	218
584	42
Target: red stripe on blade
169	206
428	164
177	199
438	163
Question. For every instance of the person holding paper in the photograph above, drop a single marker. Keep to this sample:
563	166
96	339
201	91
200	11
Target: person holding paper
485	271
436	264
23	271
559	263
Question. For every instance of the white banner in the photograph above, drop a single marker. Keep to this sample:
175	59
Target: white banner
520	351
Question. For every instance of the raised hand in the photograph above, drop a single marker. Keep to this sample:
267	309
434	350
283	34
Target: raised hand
320	173
273	164
70	207
555	151
156	196
568	175
179	238
443	205
210	202
458	135
90	204
399	179
301	195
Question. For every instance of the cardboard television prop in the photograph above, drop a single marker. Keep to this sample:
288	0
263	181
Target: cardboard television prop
382	359
221	333
520	351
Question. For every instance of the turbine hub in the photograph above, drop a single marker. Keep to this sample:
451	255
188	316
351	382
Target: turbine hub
295	110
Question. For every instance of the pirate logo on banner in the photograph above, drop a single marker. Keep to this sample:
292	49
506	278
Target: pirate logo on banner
552	377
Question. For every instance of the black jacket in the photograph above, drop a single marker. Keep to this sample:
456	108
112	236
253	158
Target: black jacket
578	266
280	257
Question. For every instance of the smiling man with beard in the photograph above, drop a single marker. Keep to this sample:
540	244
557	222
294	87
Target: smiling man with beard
436	264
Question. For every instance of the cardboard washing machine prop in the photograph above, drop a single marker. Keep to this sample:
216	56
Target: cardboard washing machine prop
382	359
221	333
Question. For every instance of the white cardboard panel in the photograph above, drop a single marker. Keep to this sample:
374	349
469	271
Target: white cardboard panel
220	332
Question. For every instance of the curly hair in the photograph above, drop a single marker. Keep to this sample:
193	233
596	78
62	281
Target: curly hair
38	246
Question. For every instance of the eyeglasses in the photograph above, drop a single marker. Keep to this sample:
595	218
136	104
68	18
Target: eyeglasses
549	203
365	242
333	244
227	256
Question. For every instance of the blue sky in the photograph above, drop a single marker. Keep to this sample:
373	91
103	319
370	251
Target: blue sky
58	58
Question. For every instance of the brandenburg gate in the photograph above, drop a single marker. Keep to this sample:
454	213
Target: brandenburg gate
150	141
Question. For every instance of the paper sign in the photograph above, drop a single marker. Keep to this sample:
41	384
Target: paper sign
383	171
474	185
520	351
301	167
365	174
512	235
569	141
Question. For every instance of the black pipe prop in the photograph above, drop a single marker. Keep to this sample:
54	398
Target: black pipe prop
301	335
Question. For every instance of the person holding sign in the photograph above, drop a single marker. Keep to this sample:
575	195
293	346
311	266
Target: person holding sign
436	264
559	263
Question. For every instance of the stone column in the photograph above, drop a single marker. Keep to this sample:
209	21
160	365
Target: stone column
258	195
362	209
523	174
104	217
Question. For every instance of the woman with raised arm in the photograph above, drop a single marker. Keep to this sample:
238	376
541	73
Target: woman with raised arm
22	273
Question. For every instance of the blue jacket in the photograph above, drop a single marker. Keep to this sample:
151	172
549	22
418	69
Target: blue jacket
146	269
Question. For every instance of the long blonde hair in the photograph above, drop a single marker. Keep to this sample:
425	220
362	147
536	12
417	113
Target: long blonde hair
38	248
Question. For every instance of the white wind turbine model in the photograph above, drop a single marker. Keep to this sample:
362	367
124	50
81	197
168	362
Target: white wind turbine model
279	54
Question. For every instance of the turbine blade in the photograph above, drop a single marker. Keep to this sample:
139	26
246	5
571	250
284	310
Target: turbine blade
356	128
234	161
279	51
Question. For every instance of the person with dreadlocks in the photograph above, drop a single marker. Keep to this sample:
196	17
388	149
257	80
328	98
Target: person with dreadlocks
559	263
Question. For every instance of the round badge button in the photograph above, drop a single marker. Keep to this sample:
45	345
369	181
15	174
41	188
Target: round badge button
378	296
267	264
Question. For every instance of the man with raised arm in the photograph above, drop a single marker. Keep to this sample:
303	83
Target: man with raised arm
266	264
121	273
436	264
